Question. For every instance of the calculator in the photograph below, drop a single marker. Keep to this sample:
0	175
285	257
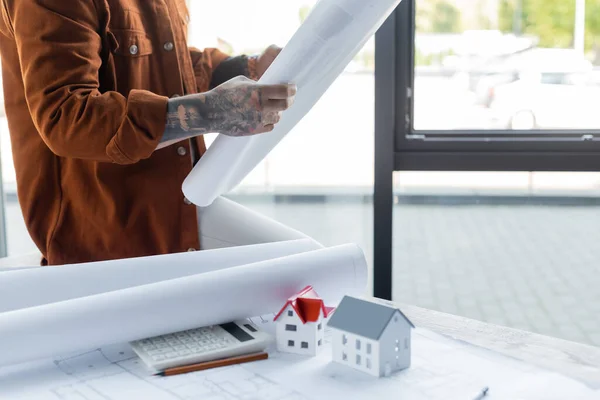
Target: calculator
202	344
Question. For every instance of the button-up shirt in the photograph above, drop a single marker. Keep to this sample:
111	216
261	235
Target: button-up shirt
86	85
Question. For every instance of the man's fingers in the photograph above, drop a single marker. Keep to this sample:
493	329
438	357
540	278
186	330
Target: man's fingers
271	118
278	105
278	92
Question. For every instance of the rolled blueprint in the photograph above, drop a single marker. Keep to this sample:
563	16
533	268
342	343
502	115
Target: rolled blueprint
178	304
39	286
316	55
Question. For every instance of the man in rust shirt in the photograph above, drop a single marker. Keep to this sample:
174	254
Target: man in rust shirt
106	107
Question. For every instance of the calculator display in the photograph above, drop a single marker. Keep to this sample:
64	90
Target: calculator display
237	332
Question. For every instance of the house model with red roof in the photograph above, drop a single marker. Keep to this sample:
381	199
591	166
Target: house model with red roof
299	323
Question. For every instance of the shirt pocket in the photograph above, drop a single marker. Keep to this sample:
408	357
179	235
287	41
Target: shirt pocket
132	54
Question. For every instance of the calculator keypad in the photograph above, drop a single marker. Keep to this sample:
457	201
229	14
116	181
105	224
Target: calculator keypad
185	344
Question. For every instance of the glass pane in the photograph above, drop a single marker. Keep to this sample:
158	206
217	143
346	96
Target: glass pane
317	179
18	240
507	64
515	249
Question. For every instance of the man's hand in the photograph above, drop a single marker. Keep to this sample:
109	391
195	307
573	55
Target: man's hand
242	107
265	60
238	107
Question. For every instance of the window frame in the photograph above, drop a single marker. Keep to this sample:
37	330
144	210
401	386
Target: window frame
472	150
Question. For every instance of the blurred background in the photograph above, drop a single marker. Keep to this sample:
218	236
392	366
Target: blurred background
516	248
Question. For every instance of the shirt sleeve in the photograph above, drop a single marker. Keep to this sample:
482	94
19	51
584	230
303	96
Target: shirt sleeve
59	49
205	63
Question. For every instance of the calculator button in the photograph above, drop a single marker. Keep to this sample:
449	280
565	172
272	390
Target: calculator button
183	353
171	355
180	347
158	358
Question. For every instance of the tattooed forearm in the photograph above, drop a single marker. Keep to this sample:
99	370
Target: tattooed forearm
239	107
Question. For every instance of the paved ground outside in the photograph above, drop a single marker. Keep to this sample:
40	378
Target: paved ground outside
530	267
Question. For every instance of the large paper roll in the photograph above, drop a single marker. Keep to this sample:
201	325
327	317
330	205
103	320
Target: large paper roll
39	286
317	54
178	304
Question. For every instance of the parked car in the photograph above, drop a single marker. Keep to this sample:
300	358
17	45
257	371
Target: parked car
555	90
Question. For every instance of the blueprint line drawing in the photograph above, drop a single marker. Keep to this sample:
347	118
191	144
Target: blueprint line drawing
103	373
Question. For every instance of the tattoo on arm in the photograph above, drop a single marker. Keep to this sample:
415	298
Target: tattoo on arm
231	111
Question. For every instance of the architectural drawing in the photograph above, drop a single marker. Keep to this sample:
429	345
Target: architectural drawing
441	369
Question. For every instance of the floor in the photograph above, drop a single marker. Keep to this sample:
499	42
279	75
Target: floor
530	267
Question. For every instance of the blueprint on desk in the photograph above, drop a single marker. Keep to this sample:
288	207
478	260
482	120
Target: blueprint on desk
442	369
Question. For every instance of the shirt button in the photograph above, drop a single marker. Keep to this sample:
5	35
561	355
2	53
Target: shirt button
191	249
134	49
186	201
181	151
169	46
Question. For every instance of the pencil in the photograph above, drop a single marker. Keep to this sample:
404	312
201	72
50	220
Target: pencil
214	364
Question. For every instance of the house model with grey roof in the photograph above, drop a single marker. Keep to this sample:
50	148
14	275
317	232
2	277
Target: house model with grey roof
372	336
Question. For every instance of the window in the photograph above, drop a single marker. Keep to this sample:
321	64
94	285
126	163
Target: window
320	342
319	327
479	81
358	359
291	328
344	339
406	343
344	357
457	163
291	343
290	313
304	345
357	344
368	361
368	348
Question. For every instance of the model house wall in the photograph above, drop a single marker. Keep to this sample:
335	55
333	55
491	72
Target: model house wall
356	352
294	336
371	336
395	344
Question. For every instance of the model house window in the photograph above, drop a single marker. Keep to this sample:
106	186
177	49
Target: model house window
319	326
368	360
344	339
291	328
320	342
357	344
396	318
290	343
397	348
406	343
368	348
304	345
344	357
290	313
358	359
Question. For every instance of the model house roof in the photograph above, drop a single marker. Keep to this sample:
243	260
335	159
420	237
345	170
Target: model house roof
364	318
307	304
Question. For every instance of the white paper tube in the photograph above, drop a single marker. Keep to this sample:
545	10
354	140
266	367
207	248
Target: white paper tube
317	54
185	303
39	286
